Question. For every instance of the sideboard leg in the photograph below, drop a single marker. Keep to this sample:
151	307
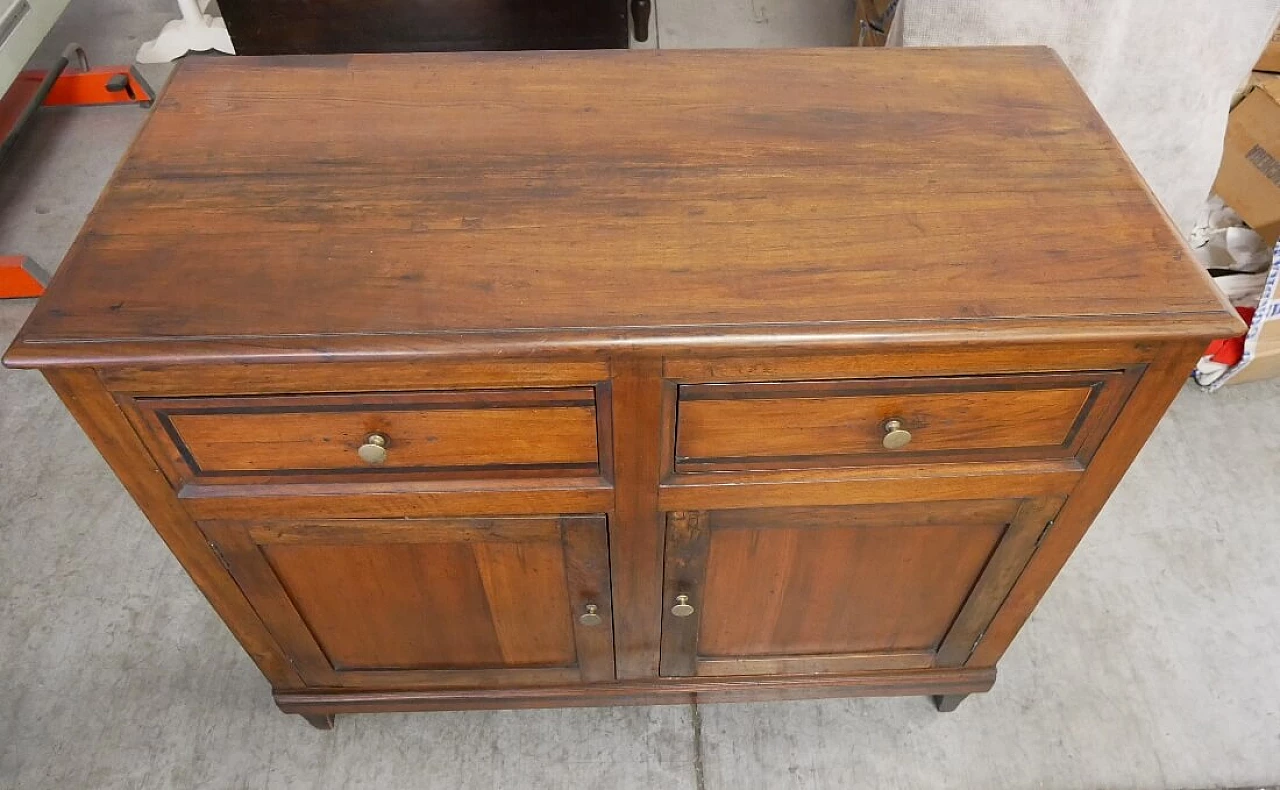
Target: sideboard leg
945	703
321	721
640	11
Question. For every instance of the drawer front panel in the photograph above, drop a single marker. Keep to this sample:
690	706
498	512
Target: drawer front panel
812	424
237	439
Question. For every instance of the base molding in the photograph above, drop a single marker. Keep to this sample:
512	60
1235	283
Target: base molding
665	691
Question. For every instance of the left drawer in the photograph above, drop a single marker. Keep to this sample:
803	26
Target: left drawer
336	436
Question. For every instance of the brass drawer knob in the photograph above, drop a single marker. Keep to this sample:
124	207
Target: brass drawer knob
682	607
590	618
374	449
895	436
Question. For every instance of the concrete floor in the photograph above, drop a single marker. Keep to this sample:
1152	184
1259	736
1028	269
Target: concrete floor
1152	663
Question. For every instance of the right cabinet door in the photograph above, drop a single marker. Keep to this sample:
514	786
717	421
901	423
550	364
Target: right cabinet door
805	590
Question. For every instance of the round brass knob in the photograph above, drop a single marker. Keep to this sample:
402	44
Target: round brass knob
590	618
682	607
374	449
895	436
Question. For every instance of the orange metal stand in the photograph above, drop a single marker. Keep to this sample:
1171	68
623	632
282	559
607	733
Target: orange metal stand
108	85
20	277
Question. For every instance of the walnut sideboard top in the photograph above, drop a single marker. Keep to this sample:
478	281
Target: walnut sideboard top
360	206
500	380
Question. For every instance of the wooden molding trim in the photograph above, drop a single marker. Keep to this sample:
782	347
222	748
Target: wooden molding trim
664	692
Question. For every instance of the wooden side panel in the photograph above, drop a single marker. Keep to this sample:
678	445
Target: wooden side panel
1142	412
99	416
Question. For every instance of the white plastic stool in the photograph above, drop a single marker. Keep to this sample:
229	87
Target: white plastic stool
196	31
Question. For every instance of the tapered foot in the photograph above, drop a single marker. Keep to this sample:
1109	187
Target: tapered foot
945	703
640	11
321	721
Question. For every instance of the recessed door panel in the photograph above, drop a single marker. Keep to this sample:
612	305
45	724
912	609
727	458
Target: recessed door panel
838	589
431	602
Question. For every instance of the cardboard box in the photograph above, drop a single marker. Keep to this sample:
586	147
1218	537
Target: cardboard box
1249	182
872	21
1261	358
1270	60
1249	178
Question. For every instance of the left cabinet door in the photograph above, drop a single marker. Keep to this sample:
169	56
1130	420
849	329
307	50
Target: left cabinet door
431	602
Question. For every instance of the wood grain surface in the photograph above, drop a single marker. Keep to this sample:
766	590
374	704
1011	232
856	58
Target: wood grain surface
506	197
809	424
875	586
427	602
515	430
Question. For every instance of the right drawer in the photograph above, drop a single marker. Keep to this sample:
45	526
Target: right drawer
865	422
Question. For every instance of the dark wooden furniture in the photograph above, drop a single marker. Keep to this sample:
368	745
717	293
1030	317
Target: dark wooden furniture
308	27
771	374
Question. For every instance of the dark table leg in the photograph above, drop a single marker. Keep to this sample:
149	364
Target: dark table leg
321	721
945	703
640	11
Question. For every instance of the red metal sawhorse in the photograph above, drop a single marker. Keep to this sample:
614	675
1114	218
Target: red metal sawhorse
21	277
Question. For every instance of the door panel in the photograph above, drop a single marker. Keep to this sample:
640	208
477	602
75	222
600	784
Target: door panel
811	589
840	589
436	602
483	609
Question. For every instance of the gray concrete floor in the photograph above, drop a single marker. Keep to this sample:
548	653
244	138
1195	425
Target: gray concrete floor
1152	663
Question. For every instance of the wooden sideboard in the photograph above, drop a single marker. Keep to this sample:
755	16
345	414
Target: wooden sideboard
473	381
